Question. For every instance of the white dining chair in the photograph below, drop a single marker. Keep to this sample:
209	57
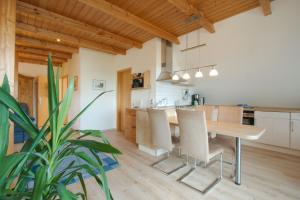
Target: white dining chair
211	114
194	143
161	136
230	114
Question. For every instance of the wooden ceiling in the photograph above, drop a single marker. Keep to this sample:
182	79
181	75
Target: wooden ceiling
113	26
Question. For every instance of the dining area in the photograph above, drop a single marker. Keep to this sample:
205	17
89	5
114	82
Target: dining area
200	136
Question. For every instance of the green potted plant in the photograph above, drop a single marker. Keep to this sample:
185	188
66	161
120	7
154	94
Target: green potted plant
40	170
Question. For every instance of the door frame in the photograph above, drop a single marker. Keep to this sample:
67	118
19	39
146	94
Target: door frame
118	125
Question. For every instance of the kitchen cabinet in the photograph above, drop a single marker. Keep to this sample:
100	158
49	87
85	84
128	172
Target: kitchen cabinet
277	127
295	131
130	125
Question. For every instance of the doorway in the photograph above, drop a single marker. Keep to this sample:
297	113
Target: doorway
25	92
123	96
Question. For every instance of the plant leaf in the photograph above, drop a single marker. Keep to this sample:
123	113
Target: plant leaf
103	175
97	146
80	177
40	183
52	101
65	106
7	165
11	103
4	123
57	77
65	194
23	125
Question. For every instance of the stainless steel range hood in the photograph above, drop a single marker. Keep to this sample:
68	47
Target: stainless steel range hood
167	65
166	61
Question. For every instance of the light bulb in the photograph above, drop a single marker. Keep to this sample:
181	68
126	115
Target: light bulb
175	77
213	72
186	76
199	74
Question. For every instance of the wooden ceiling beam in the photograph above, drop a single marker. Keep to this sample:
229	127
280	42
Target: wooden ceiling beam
43	52
39	62
70	23
39	33
29	42
127	17
266	7
40	57
190	10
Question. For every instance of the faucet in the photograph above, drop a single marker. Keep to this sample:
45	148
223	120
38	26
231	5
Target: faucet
165	100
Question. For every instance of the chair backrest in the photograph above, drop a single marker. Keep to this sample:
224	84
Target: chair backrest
193	134
232	114
159	125
211	112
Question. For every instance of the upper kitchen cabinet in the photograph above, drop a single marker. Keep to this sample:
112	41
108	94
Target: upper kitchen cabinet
295	131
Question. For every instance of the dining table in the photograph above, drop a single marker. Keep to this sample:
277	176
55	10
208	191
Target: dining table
234	130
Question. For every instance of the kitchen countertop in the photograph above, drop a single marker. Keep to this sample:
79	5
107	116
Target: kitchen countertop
255	108
276	109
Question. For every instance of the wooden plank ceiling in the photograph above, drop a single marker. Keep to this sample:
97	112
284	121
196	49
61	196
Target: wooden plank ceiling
113	26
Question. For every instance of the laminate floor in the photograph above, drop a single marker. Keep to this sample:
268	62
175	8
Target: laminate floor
265	175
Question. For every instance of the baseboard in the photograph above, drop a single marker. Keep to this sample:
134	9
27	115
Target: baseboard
272	148
152	152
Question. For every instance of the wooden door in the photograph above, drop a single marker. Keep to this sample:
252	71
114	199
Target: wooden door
63	86
123	97
25	92
42	100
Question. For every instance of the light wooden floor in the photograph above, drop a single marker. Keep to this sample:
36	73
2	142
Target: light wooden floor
265	175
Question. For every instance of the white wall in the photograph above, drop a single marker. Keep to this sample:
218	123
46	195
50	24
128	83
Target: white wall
100	66
141	60
257	57
89	65
149	58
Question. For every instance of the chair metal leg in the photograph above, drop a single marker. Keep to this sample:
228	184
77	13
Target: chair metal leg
163	159
210	186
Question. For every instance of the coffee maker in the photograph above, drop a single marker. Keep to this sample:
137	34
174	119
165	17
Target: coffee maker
197	100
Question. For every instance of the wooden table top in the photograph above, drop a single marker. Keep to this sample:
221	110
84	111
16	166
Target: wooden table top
246	132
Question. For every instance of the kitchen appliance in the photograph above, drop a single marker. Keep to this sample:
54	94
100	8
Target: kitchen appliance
248	116
197	100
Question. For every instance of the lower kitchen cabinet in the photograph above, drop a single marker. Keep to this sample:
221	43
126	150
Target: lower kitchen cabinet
277	127
295	131
130	125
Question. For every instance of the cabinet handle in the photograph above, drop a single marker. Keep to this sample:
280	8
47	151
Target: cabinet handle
292	126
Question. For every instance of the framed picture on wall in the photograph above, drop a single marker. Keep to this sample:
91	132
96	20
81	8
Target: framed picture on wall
99	84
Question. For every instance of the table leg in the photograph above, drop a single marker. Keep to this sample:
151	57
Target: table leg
238	161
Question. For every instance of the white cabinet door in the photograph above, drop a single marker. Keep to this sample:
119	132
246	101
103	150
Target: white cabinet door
281	132
277	127
295	134
265	123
